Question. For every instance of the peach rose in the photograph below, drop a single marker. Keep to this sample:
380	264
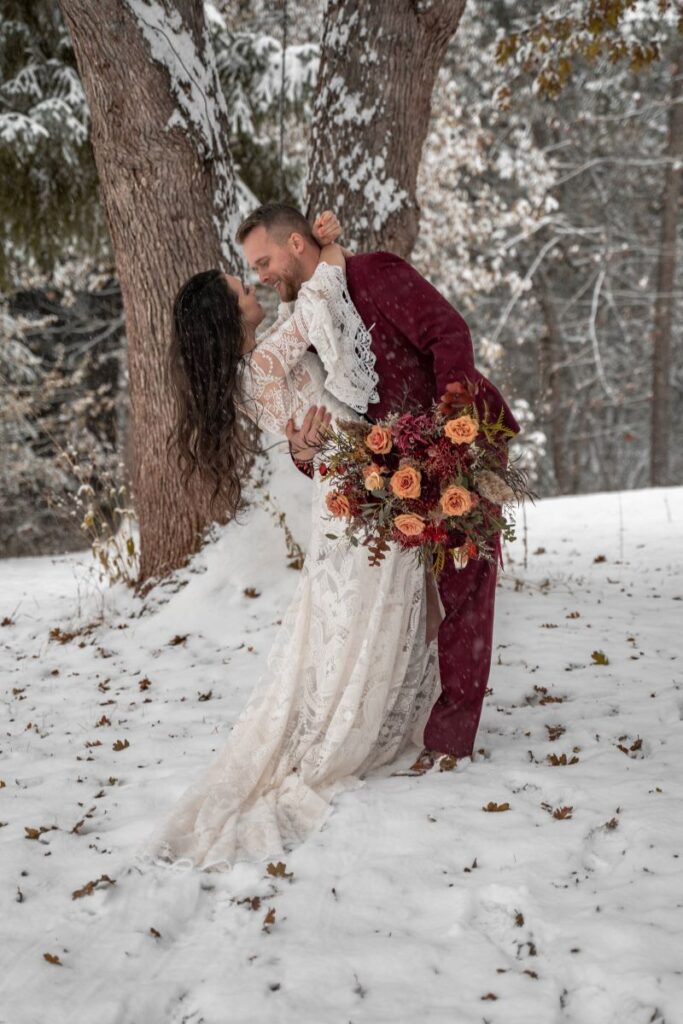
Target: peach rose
372	475
338	504
379	440
405	483
462	430
410	525
456	501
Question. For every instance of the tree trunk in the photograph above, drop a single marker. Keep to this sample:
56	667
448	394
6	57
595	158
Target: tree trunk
550	385
378	66
159	134
660	438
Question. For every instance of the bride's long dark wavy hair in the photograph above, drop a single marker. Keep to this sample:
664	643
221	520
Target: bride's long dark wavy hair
210	436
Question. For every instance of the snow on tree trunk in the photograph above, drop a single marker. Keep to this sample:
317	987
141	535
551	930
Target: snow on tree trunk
378	66
159	132
661	433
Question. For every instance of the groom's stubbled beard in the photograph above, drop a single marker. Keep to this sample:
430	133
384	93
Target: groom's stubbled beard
290	280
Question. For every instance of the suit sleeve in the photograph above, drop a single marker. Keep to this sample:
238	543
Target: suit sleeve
419	312
422	315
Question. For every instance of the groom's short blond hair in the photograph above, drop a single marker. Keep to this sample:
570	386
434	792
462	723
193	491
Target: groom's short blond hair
278	219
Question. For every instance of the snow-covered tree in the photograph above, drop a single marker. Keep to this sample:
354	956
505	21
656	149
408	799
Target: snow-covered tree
541	218
554	49
268	104
553	42
50	206
663	417
160	137
378	64
549	191
41	235
49	203
63	390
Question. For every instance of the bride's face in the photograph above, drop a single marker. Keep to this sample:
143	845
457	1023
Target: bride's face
277	263
250	308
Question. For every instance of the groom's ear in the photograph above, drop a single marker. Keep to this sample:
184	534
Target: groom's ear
297	243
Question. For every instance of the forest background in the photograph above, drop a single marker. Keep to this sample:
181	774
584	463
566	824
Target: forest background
526	158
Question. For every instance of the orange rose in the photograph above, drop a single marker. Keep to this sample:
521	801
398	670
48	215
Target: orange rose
462	430
456	501
410	525
379	440
338	504
372	475
405	483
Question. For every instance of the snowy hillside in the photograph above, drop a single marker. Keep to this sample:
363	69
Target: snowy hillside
413	903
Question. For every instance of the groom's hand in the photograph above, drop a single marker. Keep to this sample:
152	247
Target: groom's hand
326	228
305	441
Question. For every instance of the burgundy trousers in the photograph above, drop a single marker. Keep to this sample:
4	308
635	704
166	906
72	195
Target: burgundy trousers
465	647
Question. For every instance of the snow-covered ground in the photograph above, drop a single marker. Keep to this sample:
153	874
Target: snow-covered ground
413	903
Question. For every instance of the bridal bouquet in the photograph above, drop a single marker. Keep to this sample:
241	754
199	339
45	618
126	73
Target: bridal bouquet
438	482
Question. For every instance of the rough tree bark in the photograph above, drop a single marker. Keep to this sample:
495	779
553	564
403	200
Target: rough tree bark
159	133
552	384
378	66
660	436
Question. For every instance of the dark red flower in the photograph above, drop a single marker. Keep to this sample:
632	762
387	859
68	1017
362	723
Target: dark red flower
436	532
406	542
410	431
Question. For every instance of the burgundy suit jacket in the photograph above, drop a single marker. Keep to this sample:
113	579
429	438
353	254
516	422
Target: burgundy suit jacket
420	342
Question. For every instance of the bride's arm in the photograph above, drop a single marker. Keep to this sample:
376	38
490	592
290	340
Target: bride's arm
333	254
283	344
269	391
326	231
273	401
273	392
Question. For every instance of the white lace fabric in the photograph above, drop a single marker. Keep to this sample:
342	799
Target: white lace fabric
325	314
349	684
350	680
279	373
277	377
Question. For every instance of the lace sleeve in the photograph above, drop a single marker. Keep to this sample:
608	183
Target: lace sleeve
273	382
326	316
270	395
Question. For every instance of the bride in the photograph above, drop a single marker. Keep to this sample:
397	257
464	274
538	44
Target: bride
352	674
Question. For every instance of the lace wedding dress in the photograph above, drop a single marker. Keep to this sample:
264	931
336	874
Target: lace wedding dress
351	677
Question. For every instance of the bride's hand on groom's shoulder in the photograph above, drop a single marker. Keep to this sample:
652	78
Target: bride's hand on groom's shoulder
305	441
326	228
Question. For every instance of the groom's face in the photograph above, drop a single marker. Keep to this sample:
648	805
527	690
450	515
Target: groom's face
277	260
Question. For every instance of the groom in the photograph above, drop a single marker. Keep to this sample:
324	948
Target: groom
421	344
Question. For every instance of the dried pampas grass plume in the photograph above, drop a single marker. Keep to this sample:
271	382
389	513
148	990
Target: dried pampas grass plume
494	488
